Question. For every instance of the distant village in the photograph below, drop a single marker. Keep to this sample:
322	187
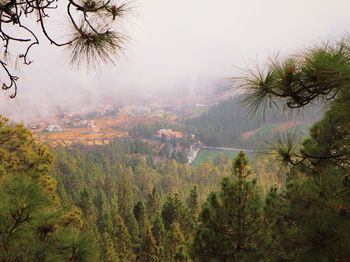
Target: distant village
61	121
109	122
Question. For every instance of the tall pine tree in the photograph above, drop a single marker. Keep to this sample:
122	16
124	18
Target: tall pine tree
231	220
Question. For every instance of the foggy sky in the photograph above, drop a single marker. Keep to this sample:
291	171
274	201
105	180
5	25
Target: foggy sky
178	46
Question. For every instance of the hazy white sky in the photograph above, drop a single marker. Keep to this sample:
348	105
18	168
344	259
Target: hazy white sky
182	45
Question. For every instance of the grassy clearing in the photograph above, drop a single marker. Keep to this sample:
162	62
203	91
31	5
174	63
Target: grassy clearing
209	154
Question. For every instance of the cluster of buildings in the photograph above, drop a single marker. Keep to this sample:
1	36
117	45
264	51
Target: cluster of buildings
187	144
53	128
108	110
37	126
154	110
168	134
77	120
45	127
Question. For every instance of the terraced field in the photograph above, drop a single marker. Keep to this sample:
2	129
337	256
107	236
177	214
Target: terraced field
69	137
105	130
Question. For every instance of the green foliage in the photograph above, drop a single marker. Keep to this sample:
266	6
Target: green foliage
149	248
231	220
33	225
318	223
154	203
140	213
19	154
24	208
123	241
79	247
205	155
193	204
309	220
158	230
223	124
110	254
316	201
143	130
175	211
174	244
317	74
122	199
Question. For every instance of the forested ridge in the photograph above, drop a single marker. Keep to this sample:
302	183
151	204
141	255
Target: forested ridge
224	124
117	203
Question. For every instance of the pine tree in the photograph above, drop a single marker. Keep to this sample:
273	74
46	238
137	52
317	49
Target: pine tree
33	226
153	204
89	212
312	222
158	231
140	213
175	242
109	251
122	240
145	177
149	249
231	220
193	204
125	192
105	219
172	210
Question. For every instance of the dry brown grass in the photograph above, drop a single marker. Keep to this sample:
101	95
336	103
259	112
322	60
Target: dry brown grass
105	130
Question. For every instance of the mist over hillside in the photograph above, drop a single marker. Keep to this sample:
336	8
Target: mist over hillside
171	50
43	107
229	123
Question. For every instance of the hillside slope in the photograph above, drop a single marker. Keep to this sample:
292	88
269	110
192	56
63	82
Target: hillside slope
229	124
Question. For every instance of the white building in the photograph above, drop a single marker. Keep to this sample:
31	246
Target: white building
53	128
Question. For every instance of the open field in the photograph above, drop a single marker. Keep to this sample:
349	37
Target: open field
208	154
71	136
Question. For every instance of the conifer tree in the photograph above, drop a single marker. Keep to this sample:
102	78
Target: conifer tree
174	247
149	249
89	213
193	204
125	192
158	229
105	219
140	213
122	240
109	251
153	204
230	222
312	222
33	226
